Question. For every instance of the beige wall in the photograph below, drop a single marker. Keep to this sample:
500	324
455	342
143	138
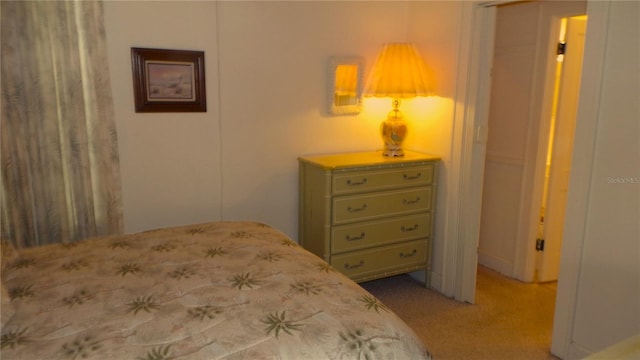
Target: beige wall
266	89
273	60
170	163
602	256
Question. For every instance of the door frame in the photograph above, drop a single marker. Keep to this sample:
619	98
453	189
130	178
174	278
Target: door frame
468	151
470	120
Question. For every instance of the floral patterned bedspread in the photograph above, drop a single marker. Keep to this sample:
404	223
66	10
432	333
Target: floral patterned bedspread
220	290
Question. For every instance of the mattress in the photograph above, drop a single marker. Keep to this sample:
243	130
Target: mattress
219	290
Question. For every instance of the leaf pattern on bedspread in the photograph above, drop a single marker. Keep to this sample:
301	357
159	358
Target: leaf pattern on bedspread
270	256
120	244
240	235
145	303
232	290
13	338
245	279
213	252
372	303
278	322
358	343
129	268
81	348
182	273
75	265
324	267
166	247
289	242
306	287
196	231
21	291
206	311
78	298
158	353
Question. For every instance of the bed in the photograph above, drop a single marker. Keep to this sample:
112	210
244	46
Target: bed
219	290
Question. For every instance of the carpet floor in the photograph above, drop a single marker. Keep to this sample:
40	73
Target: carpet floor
510	320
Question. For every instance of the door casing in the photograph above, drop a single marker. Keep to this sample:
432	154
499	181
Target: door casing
470	121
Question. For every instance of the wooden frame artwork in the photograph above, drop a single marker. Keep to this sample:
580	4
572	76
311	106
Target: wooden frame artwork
168	80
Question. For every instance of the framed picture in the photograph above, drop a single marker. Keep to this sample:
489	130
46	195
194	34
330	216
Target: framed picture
168	80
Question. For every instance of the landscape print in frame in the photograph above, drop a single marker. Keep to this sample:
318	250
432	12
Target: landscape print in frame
168	80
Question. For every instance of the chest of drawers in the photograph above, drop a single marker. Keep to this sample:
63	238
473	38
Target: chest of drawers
367	215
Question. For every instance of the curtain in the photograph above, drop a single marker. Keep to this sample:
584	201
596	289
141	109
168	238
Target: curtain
59	154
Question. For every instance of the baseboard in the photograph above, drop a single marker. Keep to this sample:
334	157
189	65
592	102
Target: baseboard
435	279
576	352
627	349
502	266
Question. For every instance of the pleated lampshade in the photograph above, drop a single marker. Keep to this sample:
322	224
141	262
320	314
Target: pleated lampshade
399	72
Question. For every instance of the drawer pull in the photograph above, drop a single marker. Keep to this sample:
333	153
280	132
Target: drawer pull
409	229
354	238
411	202
361	208
354	183
415	177
411	254
351	267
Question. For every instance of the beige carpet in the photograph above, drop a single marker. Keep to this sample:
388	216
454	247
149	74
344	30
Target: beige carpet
510	320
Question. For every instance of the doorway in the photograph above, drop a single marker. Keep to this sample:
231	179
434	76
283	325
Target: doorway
471	138
531	120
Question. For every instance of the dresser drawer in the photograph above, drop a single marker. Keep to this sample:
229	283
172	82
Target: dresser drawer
382	259
373	180
371	206
375	233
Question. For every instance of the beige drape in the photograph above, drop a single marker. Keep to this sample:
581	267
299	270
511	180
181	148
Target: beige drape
60	167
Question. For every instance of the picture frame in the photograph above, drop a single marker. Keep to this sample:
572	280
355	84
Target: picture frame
168	80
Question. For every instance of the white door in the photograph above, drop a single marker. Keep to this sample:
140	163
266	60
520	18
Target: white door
516	93
561	140
519	125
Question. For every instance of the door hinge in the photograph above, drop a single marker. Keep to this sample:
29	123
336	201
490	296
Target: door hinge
539	244
562	48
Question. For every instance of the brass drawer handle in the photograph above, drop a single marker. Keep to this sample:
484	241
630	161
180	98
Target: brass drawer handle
353	183
409	229
411	254
416	177
411	202
354	238
361	208
351	267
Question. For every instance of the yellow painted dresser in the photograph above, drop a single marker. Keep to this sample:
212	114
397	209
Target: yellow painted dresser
367	215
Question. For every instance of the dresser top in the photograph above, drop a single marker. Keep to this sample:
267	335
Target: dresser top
370	158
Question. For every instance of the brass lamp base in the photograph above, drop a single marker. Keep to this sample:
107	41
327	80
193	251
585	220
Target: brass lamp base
394	131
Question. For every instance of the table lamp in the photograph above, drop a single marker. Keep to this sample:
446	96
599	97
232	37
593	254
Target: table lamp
398	73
